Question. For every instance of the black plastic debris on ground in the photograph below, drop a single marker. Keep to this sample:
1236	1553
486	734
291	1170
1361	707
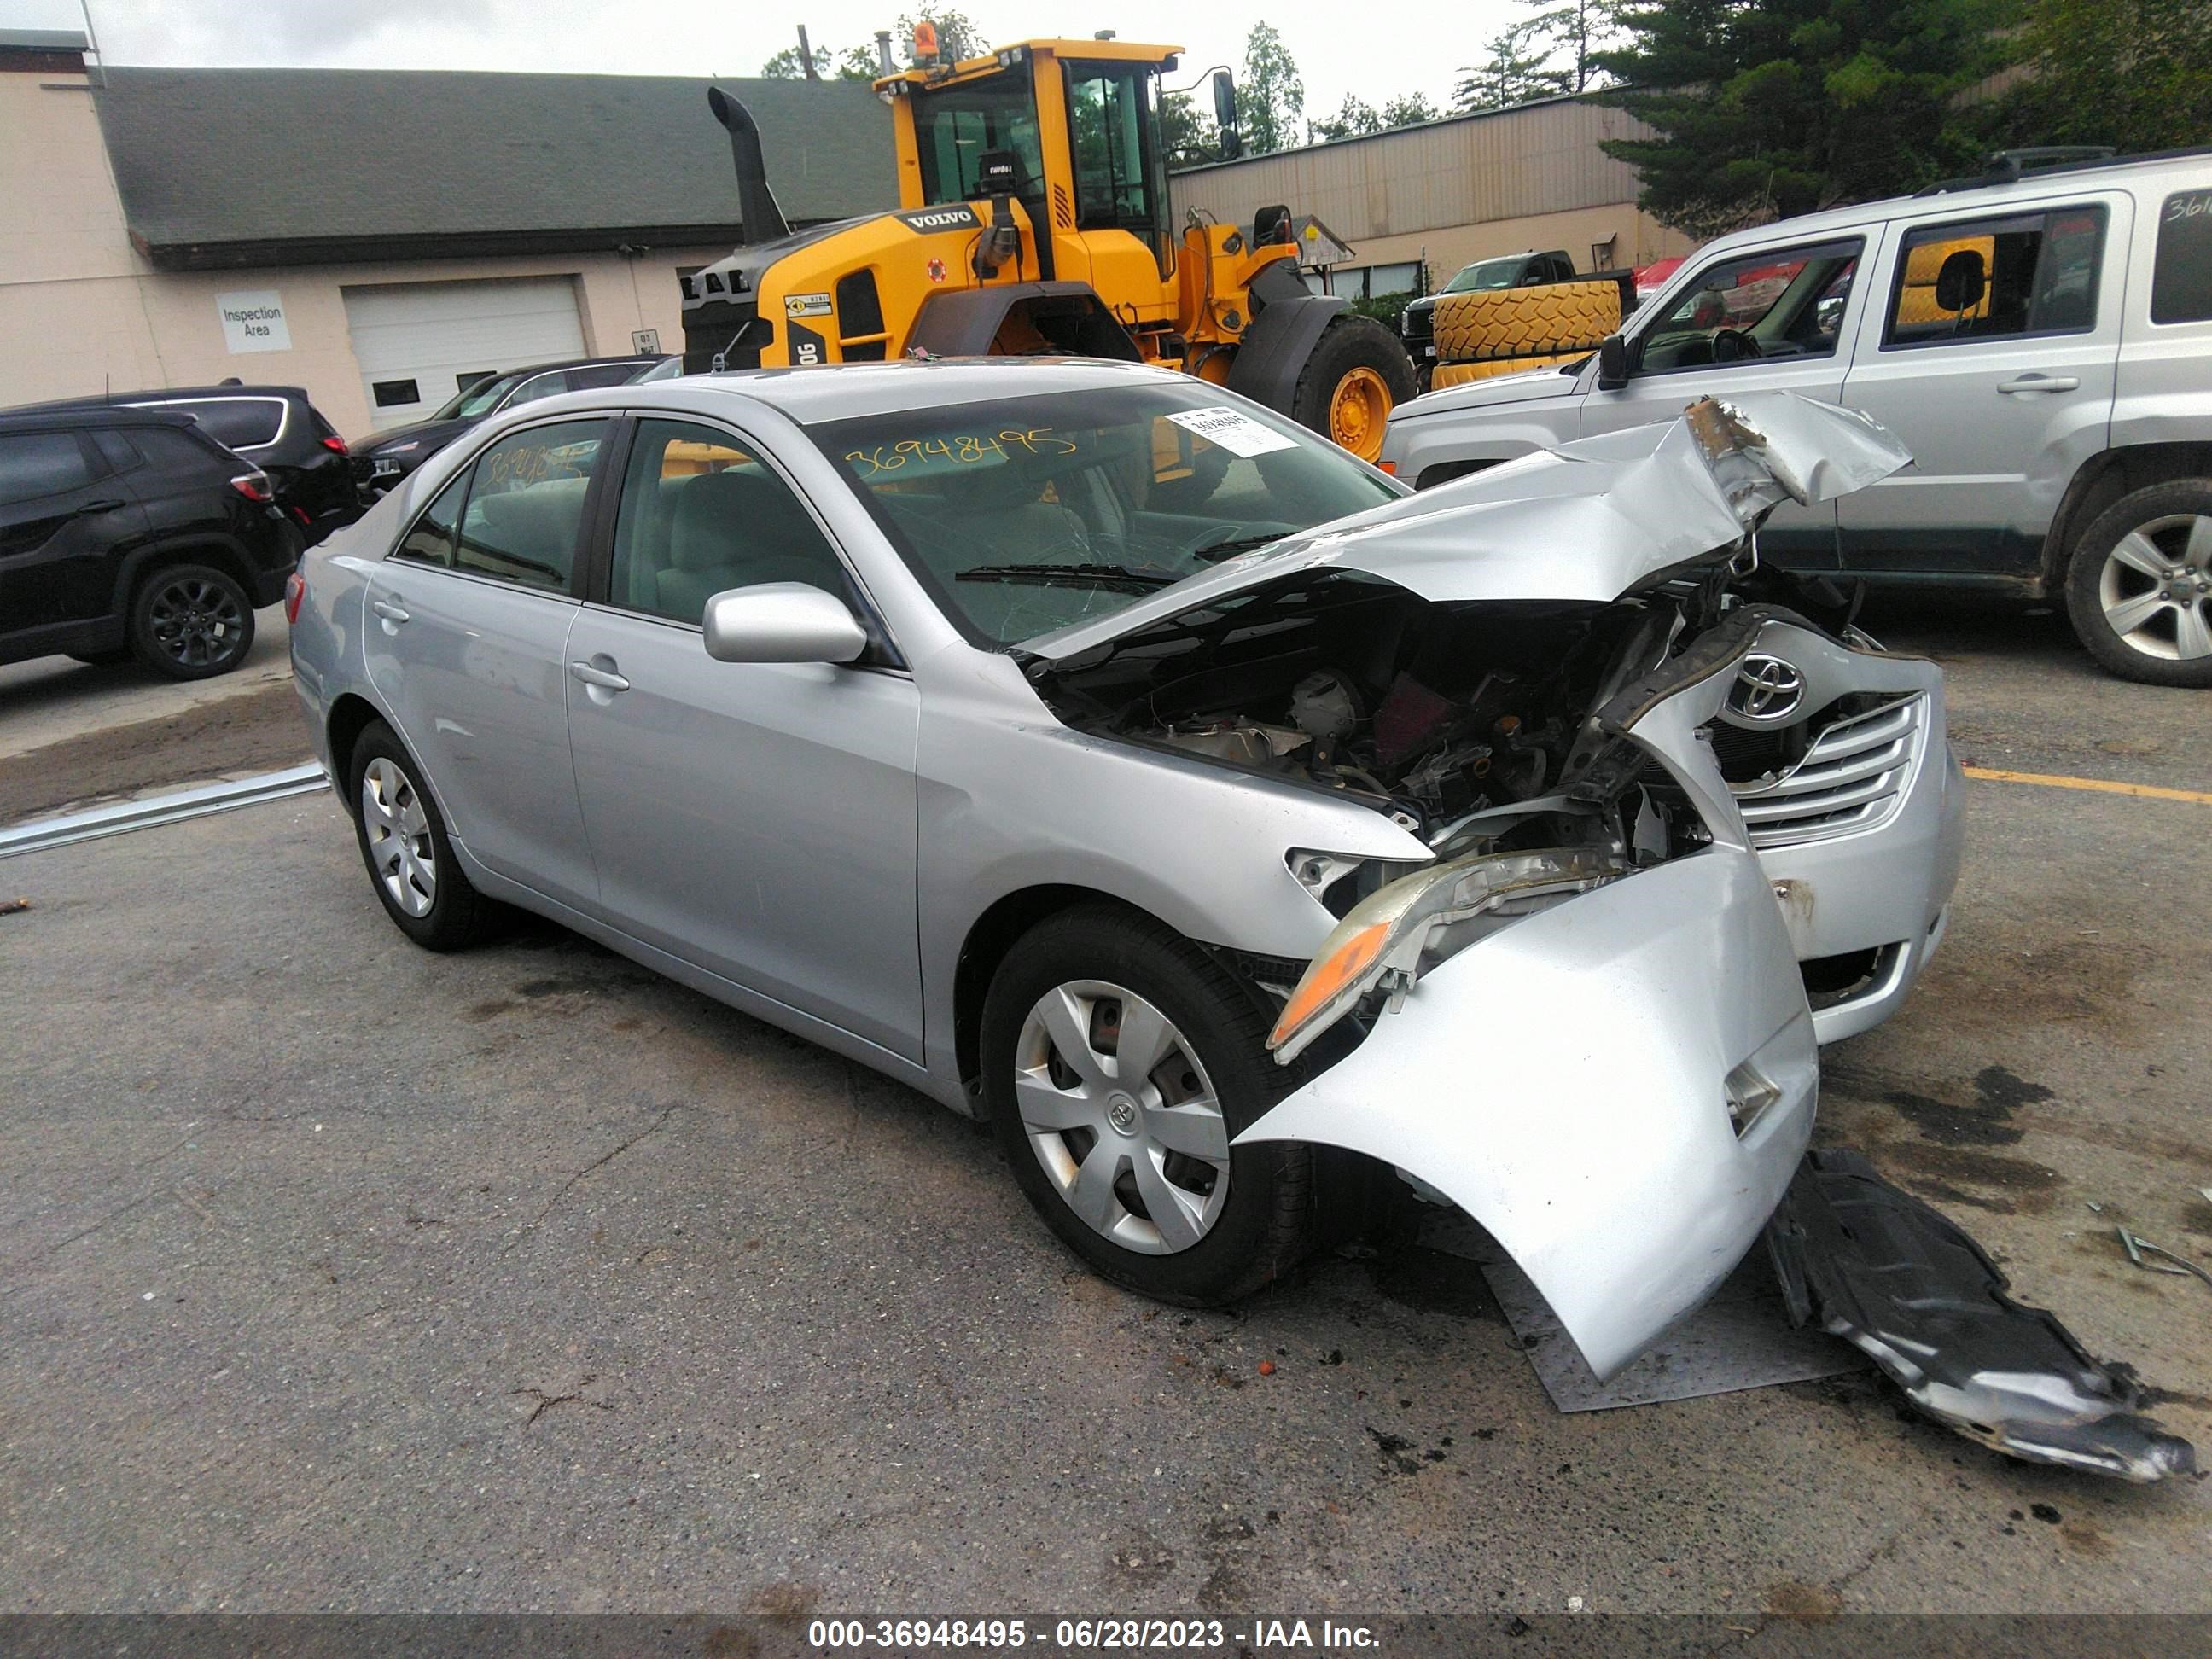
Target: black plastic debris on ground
1865	1261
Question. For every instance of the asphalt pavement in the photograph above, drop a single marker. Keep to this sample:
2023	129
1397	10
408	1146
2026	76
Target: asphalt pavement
339	1275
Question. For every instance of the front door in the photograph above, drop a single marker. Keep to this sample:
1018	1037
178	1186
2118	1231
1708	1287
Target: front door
1774	321
468	628
2000	396
756	819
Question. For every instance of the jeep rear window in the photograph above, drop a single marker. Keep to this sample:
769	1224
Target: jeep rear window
2181	275
237	422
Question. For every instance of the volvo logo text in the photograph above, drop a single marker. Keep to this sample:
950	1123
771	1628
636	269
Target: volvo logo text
1766	689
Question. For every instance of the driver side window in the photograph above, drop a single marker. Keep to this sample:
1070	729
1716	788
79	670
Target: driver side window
701	514
1785	302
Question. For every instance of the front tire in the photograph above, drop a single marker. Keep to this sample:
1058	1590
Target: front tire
2139	585
404	843
1119	1063
191	622
1358	373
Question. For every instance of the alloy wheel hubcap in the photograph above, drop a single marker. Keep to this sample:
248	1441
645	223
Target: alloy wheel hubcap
399	845
197	623
1122	1116
2155	589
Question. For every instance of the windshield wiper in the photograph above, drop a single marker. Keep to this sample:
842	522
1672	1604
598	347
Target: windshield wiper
1072	575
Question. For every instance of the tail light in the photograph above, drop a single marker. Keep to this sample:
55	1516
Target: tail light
334	444
295	593
254	486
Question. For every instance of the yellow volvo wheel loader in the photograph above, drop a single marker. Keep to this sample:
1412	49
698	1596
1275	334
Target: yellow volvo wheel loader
1033	217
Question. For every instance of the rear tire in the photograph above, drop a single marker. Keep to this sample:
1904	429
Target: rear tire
1358	373
404	843
191	622
1099	1154
2139	585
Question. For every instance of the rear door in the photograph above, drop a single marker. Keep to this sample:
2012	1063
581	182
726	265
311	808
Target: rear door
756	819
2000	400
1774	320
467	629
64	515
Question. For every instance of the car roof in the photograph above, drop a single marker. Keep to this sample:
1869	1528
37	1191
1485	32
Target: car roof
839	392
1952	199
172	394
40	417
576	362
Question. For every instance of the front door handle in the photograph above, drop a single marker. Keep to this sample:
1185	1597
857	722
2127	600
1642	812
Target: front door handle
2040	383
604	678
389	610
105	504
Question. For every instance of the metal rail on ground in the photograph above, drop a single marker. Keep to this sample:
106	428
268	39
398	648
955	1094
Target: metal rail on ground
44	834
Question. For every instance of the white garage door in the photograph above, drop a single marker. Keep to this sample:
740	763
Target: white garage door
419	343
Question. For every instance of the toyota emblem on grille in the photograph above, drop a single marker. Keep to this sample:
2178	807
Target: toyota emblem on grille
1766	689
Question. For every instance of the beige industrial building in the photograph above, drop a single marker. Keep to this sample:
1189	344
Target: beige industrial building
377	237
1453	192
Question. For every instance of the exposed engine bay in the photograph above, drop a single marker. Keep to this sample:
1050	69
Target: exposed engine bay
1473	725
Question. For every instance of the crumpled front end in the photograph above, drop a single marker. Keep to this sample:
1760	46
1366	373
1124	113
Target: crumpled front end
1618	1086
1840	762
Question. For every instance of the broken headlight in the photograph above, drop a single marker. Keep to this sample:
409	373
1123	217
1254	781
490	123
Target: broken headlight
1395	934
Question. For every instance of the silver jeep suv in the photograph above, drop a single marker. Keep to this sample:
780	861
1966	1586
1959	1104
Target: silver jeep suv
2041	339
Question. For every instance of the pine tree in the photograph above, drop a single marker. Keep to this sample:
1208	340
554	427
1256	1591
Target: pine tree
1776	108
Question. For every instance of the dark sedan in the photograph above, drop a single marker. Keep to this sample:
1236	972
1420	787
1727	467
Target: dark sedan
383	458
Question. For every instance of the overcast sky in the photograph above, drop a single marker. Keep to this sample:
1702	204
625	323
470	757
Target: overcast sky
1338	47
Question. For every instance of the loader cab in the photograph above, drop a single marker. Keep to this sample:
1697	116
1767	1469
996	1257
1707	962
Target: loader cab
1082	120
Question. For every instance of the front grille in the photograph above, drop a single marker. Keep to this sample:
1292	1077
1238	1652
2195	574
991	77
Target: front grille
1853	777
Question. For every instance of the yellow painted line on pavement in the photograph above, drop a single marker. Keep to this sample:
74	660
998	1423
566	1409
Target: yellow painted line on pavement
2103	785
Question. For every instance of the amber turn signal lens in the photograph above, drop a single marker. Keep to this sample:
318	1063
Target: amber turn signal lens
1326	977
1390	467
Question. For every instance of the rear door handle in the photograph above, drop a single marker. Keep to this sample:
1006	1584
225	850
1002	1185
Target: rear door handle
389	610
2040	383
105	504
605	679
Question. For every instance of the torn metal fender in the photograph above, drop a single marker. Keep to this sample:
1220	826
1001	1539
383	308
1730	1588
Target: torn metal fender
1897	1280
1566	1082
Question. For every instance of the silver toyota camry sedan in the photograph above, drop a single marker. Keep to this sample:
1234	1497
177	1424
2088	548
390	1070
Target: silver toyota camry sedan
1113	759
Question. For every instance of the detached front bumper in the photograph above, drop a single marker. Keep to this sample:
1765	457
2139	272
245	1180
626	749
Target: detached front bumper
1567	1083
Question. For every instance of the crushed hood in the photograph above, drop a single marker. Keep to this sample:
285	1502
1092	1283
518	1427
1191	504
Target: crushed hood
1588	520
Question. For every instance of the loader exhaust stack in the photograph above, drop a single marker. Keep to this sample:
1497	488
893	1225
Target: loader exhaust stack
764	220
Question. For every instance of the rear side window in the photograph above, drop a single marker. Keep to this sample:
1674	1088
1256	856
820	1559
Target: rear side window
2181	275
434	533
2033	273
36	463
526	506
237	422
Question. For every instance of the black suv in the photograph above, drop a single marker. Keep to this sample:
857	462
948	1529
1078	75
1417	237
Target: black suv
274	427
130	533
383	458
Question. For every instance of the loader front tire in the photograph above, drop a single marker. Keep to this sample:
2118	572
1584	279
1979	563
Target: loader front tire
1358	373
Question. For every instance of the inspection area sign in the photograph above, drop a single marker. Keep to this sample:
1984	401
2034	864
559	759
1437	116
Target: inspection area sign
253	321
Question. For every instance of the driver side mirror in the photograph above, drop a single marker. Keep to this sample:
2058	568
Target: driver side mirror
782	621
1612	363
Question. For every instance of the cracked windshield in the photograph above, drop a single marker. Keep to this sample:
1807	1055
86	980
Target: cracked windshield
1025	515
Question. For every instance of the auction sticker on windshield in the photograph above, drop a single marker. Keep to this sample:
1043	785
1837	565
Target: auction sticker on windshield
1237	432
